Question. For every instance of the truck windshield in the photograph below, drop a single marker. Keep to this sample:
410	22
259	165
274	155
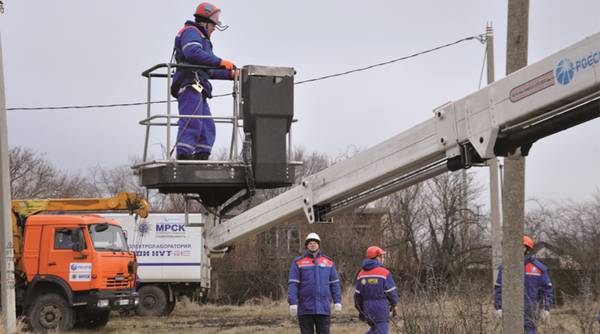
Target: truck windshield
108	237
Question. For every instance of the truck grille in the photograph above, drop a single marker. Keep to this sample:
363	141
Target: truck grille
117	282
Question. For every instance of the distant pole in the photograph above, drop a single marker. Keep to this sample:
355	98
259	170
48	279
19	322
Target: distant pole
495	203
7	268
513	196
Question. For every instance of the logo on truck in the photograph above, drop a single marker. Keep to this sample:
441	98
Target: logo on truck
565	72
566	69
143	228
170	230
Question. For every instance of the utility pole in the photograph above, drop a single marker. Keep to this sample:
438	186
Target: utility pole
513	196
495	202
7	267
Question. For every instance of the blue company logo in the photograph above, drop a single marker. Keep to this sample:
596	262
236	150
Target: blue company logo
73	266
565	72
143	228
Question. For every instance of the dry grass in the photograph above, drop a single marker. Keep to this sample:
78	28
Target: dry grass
468	313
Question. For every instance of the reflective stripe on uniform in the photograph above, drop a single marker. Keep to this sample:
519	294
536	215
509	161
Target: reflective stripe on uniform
192	43
392	289
185	145
371	276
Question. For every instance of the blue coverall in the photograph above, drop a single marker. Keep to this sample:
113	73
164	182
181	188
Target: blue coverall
538	292
375	295
312	282
193	47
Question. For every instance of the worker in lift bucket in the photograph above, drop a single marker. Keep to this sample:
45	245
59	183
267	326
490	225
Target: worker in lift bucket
539	295
375	294
196	136
312	283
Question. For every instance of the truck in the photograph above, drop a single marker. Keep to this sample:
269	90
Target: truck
171	259
73	269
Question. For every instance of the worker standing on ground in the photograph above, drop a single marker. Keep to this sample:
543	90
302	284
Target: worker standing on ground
191	87
313	280
538	290
376	294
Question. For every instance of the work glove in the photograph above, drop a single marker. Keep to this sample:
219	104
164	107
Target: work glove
293	310
227	64
499	314
395	311
545	315
337	307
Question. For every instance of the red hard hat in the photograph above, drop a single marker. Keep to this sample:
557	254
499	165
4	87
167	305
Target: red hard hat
208	12
374	251
528	242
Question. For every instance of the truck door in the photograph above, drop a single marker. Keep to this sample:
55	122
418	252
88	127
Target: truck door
59	259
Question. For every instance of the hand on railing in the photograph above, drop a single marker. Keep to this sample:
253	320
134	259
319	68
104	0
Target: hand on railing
227	64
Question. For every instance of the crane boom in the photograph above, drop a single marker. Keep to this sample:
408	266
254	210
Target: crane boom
131	202
554	94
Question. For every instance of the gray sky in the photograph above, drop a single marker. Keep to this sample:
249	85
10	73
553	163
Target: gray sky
69	52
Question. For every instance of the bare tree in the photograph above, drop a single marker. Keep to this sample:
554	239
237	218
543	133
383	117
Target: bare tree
32	176
436	225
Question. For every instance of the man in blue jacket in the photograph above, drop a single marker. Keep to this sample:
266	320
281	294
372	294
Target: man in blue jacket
538	290
191	87
312	282
376	294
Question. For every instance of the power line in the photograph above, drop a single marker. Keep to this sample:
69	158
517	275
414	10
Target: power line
480	38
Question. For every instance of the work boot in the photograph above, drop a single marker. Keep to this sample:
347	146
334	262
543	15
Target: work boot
201	156
183	156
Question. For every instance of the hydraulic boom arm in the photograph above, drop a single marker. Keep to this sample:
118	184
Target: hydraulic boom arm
556	93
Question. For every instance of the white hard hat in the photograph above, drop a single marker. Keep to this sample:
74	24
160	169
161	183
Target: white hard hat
312	236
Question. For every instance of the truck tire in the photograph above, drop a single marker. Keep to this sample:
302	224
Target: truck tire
153	301
95	320
170	307
50	312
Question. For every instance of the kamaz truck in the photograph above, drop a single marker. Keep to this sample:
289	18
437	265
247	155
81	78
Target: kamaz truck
73	269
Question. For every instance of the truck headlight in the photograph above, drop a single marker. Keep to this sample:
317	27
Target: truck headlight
103	303
136	301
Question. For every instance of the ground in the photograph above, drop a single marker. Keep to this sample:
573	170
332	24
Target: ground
270	317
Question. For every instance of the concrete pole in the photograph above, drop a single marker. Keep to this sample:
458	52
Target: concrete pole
495	202
514	185
7	267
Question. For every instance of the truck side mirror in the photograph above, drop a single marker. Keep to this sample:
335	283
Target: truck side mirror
78	240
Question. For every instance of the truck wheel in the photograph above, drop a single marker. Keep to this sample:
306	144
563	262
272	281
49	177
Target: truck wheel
153	301
50	312
170	307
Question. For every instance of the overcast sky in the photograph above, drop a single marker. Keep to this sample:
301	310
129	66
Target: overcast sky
71	52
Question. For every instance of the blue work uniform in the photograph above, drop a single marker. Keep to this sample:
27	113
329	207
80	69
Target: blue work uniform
312	283
375	295
192	88
538	292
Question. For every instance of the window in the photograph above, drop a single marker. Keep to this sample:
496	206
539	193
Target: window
107	237
293	241
63	239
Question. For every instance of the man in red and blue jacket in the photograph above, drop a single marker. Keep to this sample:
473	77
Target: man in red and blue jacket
376	294
312	282
538	290
191	87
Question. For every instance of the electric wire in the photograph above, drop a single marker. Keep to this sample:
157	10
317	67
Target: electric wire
480	38
482	67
